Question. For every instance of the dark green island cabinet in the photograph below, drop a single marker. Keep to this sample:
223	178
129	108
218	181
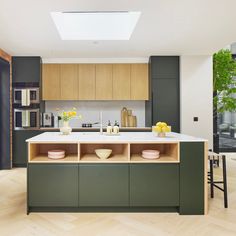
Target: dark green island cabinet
81	182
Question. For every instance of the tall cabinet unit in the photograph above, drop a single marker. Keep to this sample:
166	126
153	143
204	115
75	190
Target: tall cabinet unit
5	149
164	103
26	72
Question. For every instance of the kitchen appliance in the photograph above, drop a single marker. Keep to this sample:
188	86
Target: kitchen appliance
47	119
26	118
26	96
89	125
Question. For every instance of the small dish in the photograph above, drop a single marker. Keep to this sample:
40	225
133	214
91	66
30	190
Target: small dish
150	154
103	153
56	154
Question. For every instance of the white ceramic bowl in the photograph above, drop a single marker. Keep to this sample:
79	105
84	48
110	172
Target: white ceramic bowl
103	153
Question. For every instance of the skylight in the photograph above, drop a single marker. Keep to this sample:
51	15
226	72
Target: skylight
117	25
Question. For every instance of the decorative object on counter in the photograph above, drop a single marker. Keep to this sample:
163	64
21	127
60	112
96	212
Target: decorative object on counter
56	154
116	128
66	116
89	125
103	153
151	154
124	117
109	128
161	129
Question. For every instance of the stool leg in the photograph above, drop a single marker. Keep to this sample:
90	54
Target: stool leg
225	181
211	178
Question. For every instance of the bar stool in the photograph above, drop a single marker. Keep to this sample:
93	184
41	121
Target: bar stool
212	157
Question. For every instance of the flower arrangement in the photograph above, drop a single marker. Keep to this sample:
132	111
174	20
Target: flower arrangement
68	115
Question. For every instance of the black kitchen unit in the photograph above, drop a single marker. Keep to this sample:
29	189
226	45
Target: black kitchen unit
164	103
26	78
5	160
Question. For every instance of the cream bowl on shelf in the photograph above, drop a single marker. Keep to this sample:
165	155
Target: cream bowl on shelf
103	153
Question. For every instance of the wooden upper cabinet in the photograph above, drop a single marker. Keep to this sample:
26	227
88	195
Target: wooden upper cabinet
139	82
51	83
69	82
87	81
104	82
121	81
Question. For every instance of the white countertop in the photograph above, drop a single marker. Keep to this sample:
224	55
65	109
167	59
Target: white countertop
124	137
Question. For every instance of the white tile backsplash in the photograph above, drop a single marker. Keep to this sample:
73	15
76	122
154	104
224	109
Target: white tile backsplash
90	110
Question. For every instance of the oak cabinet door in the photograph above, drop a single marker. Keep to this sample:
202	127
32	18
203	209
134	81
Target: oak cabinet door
139	82
69	82
104	82
51	82
87	81
121	81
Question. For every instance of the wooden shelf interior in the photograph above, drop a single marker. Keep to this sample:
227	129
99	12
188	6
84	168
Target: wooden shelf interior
120	152
169	152
39	152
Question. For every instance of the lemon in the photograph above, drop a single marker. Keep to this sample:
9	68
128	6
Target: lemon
158	123
157	129
163	124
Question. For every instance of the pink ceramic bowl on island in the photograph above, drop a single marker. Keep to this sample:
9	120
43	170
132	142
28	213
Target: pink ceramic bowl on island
56	154
150	154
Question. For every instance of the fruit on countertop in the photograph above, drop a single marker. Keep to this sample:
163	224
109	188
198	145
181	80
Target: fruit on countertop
161	127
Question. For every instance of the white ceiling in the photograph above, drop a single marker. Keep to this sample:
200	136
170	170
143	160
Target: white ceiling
166	27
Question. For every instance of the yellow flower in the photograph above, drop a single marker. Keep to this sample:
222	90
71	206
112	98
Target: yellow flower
74	113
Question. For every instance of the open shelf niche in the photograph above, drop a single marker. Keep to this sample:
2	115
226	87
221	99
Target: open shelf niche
169	152
38	152
120	152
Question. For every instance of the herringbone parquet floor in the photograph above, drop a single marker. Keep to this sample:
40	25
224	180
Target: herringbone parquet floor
14	221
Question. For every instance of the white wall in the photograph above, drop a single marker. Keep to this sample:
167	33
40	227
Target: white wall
196	96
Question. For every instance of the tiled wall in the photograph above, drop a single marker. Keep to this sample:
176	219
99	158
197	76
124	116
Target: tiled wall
90	110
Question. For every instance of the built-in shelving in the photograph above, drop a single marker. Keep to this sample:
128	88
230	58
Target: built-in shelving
121	152
38	152
169	152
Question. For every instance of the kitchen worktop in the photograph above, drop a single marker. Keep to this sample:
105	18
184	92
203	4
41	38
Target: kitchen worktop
94	137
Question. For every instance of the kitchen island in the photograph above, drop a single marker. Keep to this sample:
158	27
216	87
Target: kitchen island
176	182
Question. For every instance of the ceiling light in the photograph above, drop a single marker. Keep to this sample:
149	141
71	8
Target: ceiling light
111	25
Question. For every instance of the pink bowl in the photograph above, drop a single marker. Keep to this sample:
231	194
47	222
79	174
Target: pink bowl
56	154
150	154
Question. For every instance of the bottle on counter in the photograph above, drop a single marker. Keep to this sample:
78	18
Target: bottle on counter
116	128
109	127
124	117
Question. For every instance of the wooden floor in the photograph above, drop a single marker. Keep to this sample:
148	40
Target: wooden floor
14	221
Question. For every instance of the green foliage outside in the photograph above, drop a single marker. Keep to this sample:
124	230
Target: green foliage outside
224	84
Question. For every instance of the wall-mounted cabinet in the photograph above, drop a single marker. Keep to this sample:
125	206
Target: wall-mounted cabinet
104	89
95	82
51	82
139	82
121	81
69	81
87	82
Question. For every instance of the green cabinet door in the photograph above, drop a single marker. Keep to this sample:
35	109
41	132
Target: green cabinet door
103	185
191	178
154	185
19	146
53	185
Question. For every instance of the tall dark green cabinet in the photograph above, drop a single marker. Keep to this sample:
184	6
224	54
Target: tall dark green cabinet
26	72
164	103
